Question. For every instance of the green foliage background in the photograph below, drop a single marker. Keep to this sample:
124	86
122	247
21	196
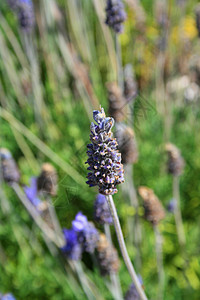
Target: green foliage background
61	122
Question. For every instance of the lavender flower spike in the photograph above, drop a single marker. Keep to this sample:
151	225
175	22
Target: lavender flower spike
132	293
72	249
106	170
102	213
115	15
25	12
88	235
32	192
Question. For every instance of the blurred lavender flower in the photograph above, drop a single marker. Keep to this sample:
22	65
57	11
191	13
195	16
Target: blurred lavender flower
102	211
7	297
32	192
103	157
171	206
115	15
88	235
25	12
132	293
72	249
8	167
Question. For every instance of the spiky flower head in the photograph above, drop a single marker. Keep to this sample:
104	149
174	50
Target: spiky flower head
72	248
107	256
132	293
175	160
25	12
7	297
47	180
8	167
126	143
106	170
117	102
154	211
102	213
115	15
88	235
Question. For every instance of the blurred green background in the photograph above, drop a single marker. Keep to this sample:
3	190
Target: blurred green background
49	84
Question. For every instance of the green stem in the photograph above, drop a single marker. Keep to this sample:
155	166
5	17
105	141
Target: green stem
123	248
159	258
177	211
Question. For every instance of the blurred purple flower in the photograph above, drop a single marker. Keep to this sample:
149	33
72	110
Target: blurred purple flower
25	12
88	235
115	15
132	293
102	213
7	297
73	248
32	192
80	222
171	206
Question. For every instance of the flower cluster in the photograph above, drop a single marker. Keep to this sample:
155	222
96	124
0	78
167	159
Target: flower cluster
73	248
47	180
88	235
107	256
102	213
83	236
175	160
25	12
115	15
154	211
106	170
8	167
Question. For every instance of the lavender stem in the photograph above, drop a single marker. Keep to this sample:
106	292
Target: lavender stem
113	276
177	211
123	248
159	258
35	215
120	75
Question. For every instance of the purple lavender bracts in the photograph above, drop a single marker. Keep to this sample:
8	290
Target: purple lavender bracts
115	15
104	160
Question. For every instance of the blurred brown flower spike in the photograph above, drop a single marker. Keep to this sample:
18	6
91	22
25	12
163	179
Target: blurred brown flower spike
117	102
175	162
107	256
154	211
8	167
47	180
127	144
197	13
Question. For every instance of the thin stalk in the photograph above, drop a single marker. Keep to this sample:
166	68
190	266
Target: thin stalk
124	250
116	286
54	219
159	258
83	280
35	215
120	73
134	223
177	211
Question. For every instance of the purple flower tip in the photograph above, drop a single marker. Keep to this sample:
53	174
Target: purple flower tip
32	192
72	249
